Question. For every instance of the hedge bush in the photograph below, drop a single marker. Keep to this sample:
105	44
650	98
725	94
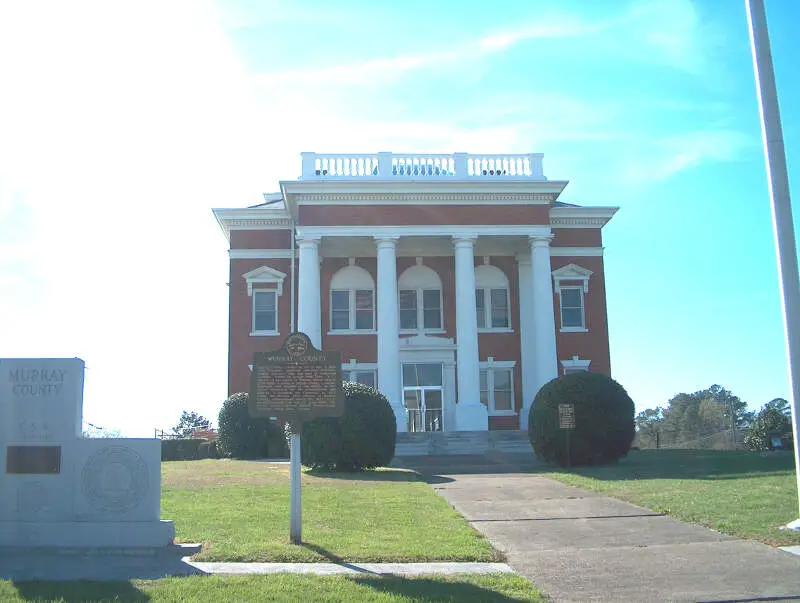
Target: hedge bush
180	449
604	426
241	436
362	438
207	450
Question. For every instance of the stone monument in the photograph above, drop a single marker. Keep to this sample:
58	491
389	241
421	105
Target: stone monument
59	489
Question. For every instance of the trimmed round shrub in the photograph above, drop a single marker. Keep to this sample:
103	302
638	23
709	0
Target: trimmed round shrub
604	427
362	438
240	436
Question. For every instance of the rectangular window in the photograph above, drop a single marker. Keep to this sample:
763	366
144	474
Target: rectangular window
484	380
503	390
359	376
480	306
364	309
340	310
497	389
432	309
408	309
265	314
572	307
499	308
417	375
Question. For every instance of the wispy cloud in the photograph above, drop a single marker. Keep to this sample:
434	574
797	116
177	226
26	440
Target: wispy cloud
671	155
376	71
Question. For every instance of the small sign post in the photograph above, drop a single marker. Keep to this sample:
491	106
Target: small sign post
296	383
566	421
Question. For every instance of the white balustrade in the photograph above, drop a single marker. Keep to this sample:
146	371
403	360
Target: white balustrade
422	166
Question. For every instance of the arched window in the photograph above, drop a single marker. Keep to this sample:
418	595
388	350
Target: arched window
492	298
352	300
420	299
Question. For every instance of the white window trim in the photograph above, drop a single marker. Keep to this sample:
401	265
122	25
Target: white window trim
264	275
580	329
487	311
572	272
352	314
489	365
575	364
263	333
421	311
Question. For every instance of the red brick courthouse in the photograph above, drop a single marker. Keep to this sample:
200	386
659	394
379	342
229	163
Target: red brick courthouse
457	284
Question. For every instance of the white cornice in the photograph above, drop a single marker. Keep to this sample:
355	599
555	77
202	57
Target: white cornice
581	217
425	191
523	185
252	218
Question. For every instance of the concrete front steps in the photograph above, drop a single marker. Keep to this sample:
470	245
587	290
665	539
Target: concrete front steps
462	442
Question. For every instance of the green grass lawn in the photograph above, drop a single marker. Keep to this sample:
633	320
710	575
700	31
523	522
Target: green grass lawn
737	493
239	511
279	587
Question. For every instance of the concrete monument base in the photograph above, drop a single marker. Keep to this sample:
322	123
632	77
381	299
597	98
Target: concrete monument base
80	534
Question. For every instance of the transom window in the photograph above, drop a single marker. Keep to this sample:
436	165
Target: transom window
492	298
265	311
420	299
497	389
352	300
365	377
572	312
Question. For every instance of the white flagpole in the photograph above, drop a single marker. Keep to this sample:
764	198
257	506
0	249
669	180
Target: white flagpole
783	226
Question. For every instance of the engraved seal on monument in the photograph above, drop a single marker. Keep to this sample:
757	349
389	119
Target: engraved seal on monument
297	345
115	479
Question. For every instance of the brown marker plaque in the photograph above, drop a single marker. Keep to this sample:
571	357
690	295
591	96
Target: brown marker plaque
33	460
296	382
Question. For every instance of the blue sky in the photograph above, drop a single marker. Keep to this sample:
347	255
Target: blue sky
121	125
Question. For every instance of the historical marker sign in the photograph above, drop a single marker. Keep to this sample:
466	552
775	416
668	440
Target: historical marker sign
566	416
296	382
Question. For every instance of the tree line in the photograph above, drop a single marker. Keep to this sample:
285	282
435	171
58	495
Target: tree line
692	419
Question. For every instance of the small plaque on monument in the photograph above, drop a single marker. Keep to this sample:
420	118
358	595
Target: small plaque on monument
33	460
296	382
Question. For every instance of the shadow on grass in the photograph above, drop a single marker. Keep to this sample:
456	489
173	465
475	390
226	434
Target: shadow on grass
80	592
684	464
379	475
334	558
427	589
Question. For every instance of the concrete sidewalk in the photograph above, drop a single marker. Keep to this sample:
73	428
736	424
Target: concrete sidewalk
580	546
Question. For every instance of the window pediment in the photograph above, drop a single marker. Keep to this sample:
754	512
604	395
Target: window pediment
264	275
572	272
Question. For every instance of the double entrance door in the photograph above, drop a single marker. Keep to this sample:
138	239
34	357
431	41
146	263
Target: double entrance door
422	396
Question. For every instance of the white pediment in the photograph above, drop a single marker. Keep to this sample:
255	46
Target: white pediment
572	272
264	274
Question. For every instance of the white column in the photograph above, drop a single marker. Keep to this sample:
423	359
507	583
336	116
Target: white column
527	347
471	415
544	323
389	382
308	312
